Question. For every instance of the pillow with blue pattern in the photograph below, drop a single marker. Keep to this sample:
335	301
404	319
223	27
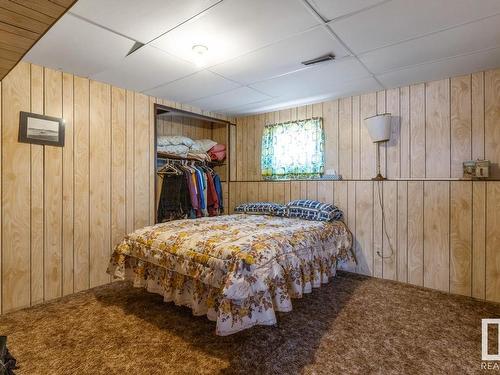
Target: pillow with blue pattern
314	210
261	208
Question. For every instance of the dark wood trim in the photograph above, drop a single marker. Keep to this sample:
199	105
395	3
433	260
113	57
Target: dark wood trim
163	109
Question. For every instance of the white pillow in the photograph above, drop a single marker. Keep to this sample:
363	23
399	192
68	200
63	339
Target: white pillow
174	140
202	145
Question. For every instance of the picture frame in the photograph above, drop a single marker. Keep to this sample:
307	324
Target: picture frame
41	130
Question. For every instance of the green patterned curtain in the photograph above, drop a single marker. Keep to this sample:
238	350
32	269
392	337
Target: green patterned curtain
293	149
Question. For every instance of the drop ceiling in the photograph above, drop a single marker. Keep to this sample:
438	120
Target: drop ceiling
255	48
22	23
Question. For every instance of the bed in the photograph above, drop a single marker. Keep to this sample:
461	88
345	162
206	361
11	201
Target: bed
239	270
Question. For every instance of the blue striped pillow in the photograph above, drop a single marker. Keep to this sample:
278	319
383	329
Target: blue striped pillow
314	210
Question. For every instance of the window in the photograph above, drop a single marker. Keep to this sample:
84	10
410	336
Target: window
293	149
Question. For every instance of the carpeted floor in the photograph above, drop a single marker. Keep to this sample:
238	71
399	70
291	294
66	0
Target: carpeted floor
353	325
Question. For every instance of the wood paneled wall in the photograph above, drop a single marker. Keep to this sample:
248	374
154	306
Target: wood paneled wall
437	125
442	235
434	230
63	209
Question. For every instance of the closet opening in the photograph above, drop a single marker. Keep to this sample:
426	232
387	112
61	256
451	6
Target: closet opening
191	164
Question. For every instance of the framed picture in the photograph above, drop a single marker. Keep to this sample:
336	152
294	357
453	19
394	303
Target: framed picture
41	130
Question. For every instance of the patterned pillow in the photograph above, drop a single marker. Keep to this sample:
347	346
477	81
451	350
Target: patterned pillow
314	210
261	208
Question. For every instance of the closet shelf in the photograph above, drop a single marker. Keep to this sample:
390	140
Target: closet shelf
164	155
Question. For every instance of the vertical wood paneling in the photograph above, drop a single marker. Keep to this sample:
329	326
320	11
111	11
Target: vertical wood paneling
461	237
253	192
141	160
118	165
15	192
416	232
381	109
350	216
130	162
100	182
478	239
367	148
356	131
345	137
437	130
364	227
461	124
436	127
393	146
378	227
491	119
53	192
37	175
325	191
312	190
62	207
437	235
402	231
331	126
404	131
294	190
390	237
279	192
151	156
68	187
477	116
417	130
81	180
492	242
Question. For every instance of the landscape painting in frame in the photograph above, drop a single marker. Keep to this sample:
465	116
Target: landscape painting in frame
40	129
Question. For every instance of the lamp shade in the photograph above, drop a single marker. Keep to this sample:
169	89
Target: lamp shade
379	127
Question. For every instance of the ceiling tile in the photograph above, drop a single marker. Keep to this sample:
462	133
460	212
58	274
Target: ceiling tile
465	64
140	20
331	9
148	67
396	21
340	90
282	57
229	99
78	47
475	36
236	27
195	86
322	77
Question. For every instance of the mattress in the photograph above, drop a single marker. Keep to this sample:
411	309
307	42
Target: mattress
237	269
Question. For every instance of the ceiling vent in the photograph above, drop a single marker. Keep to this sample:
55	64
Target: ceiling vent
318	60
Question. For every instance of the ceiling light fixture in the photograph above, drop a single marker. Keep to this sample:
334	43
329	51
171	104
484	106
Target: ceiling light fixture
200	52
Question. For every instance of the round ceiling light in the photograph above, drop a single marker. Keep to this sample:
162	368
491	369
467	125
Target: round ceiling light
200	52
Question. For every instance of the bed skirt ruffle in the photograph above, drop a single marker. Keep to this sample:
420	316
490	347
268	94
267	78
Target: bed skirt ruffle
290	280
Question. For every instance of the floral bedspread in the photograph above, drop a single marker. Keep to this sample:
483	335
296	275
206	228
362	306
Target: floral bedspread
236	269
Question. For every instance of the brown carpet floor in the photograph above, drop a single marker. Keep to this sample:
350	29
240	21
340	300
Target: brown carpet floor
353	325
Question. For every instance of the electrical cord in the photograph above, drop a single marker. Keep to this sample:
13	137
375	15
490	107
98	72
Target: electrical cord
384	226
